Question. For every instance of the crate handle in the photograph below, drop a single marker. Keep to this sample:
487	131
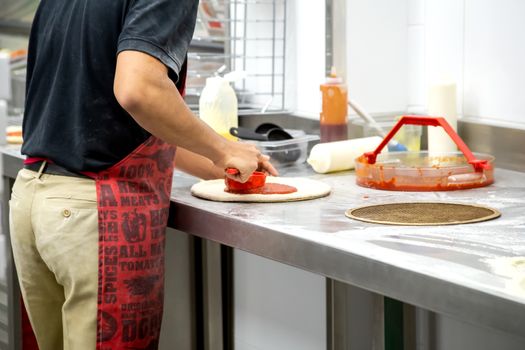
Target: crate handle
478	164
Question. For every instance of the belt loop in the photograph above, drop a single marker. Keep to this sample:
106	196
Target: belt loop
41	170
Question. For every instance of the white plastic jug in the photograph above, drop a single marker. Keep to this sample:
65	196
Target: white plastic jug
218	106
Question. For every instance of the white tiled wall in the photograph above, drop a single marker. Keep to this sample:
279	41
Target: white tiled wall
397	49
376	50
308	55
377	54
494	62
416	56
477	43
443	45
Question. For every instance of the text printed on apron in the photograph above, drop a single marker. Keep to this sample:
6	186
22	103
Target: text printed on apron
133	204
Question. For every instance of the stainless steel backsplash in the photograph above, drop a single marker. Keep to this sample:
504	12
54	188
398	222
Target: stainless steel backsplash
506	144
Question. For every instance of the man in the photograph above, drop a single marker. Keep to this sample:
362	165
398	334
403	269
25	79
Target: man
103	113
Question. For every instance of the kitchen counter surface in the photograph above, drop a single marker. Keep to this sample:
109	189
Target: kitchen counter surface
446	269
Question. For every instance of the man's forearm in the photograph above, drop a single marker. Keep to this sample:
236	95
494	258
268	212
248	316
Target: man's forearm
197	165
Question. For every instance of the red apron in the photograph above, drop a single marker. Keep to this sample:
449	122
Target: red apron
133	205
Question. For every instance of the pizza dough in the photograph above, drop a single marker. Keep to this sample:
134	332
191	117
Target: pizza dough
514	269
508	266
306	189
516	285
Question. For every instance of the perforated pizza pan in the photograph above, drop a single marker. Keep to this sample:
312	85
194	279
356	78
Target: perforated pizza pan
423	213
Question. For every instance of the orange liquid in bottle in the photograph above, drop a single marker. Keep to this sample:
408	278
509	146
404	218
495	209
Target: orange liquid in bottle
334	123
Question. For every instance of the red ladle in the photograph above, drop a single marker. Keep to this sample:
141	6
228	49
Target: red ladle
256	180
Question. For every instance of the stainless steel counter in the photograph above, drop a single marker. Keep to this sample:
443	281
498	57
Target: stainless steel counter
442	269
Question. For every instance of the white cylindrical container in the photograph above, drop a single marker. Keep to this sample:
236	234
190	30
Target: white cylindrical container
442	103
337	156
218	106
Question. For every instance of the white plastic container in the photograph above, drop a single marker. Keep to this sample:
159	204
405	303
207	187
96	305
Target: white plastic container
218	106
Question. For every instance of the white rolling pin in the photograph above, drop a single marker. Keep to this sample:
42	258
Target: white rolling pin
442	103
337	156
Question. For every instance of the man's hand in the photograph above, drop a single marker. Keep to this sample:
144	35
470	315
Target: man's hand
203	168
246	158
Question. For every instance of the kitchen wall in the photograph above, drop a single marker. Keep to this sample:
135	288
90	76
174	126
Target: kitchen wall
376	51
306	55
377	54
476	43
397	49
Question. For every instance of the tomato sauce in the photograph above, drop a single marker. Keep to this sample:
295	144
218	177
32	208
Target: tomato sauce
427	177
391	185
269	188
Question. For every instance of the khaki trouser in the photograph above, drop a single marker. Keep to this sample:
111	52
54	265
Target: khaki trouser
54	234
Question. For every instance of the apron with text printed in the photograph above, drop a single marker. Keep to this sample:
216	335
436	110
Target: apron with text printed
133	206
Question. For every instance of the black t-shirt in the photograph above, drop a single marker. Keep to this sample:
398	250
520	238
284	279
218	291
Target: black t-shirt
72	116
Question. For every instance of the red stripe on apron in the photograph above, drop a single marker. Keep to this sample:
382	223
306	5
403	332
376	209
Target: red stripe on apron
28	336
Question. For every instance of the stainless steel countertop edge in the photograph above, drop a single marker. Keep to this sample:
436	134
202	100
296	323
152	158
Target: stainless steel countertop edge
468	304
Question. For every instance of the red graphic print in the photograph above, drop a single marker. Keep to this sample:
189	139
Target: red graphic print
133	206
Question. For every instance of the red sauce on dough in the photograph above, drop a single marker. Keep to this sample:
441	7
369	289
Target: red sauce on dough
269	188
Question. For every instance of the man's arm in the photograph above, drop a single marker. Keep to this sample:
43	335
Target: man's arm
197	165
142	87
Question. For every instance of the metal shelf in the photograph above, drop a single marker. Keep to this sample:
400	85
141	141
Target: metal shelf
252	36
207	44
14	27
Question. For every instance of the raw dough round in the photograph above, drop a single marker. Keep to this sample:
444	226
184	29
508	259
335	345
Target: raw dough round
513	268
306	189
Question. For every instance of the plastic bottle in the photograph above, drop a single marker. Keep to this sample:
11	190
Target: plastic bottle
334	124
218	106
